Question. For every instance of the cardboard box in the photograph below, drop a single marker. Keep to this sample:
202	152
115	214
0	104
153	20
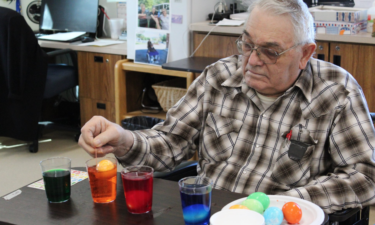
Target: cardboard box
339	28
338	14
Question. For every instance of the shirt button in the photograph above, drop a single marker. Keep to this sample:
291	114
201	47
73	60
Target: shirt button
244	172
257	146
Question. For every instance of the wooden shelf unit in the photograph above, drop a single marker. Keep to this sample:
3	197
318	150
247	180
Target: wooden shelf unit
128	86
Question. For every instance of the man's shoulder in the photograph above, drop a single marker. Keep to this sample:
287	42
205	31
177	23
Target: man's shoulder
329	72
231	62
222	70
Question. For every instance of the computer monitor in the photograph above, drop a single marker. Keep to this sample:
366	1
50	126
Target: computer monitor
68	15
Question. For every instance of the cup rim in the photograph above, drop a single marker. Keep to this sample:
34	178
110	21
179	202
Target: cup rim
123	170
101	158
193	177
51	158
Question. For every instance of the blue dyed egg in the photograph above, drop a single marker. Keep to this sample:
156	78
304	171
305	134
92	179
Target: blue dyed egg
273	216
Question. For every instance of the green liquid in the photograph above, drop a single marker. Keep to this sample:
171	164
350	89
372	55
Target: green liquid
57	185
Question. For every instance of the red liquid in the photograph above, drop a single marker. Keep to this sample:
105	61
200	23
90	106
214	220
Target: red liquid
103	184
138	191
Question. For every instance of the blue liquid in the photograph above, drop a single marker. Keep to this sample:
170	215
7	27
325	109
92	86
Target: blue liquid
196	208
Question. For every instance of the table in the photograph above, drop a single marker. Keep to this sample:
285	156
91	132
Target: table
31	206
118	49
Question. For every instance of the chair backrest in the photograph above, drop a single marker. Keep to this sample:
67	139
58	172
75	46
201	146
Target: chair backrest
23	70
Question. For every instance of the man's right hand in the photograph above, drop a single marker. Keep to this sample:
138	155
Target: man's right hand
103	136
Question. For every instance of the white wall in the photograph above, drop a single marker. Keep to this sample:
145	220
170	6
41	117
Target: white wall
24	4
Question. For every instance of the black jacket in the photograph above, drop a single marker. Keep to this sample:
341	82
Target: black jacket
23	70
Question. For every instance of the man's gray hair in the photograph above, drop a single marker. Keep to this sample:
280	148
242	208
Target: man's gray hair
301	18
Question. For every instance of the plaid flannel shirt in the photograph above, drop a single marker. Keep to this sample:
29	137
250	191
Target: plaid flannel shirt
241	145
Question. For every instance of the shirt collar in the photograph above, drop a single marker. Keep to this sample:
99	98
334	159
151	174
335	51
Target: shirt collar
236	79
305	82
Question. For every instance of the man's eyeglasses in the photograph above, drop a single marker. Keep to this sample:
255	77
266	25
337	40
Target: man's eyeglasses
268	56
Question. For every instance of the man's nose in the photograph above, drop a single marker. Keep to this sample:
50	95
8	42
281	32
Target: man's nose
254	58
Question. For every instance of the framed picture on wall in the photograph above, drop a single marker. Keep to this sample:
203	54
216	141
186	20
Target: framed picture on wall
154	14
151	47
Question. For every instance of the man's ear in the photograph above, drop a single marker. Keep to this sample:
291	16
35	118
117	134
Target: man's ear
307	51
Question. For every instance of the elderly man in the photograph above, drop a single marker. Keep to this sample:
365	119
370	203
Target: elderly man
273	120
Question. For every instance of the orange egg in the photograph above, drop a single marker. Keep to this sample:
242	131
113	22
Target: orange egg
238	207
292	212
105	165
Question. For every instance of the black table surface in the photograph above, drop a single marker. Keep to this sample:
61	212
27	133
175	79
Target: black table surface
31	206
192	64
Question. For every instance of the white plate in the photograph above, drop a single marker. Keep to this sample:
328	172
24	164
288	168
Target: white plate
238	217
311	213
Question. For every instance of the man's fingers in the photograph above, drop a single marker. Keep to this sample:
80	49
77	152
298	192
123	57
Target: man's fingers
106	137
106	149
90	150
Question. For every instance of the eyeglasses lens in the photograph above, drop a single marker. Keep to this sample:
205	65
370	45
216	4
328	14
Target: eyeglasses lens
267	55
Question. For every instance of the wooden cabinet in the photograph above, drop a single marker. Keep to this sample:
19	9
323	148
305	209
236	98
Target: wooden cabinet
215	45
322	50
97	85
129	85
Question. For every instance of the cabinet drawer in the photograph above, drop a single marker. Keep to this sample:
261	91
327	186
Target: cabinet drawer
90	108
322	50
218	46
96	75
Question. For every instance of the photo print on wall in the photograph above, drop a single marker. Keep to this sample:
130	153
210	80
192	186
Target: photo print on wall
153	32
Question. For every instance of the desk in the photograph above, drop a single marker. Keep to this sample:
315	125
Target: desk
31	207
96	76
191	64
119	49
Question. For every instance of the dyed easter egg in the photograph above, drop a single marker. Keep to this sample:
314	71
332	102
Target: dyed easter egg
238	207
273	216
261	197
292	212
105	165
254	205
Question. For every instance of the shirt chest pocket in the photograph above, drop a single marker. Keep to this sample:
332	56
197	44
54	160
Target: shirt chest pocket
289	170
220	136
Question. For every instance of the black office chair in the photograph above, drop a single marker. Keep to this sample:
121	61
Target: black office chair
26	78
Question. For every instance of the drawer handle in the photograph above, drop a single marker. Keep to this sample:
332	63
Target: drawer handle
321	56
320	47
98	59
100	105
337	60
337	48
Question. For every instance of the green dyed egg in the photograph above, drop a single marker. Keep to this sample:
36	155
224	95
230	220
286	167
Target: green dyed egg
261	197
254	205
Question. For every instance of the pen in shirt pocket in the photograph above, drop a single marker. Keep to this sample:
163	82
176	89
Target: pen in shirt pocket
287	139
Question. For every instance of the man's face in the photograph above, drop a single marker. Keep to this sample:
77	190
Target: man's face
164	12
153	10
274	32
143	7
